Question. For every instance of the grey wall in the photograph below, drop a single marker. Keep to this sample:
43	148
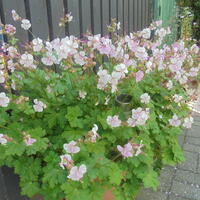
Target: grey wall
92	15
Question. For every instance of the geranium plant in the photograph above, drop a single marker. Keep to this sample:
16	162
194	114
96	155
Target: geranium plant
82	116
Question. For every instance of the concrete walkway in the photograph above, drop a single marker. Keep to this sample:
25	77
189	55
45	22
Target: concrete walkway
181	182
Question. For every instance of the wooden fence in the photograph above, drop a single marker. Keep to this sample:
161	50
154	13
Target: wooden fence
92	15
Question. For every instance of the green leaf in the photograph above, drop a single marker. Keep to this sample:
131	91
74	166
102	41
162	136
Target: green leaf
151	180
29	188
72	116
115	175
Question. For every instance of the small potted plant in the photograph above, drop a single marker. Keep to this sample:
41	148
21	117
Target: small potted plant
69	136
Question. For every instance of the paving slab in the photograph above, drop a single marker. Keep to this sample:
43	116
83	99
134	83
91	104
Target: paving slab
191	147
165	179
187	177
194	132
185	190
175	197
192	140
148	194
191	163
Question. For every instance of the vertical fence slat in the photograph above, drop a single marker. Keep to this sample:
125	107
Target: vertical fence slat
139	15
19	6
105	16
131	15
135	11
57	9
86	16
120	15
39	18
74	26
113	9
147	12
142	14
97	16
126	17
92	15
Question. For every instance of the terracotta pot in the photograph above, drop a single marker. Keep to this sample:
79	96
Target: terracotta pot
108	195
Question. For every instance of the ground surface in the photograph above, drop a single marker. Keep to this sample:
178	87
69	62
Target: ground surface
181	182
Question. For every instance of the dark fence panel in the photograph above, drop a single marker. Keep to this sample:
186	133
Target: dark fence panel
88	15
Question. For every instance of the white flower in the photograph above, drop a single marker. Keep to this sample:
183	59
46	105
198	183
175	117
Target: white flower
15	16
107	99
141	53
118	25
38	105
122	68
139	117
175	121
66	161
12	51
69	17
27	60
76	173
93	134
169	85
177	98
37	44
71	147
188	122
4	100
25	24
2	78
146	33
145	98
3	140
79	58
114	121
82	94
104	79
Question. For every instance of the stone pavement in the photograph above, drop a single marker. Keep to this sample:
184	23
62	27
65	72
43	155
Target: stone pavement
181	182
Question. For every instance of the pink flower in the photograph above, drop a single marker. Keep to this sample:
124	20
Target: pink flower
126	151
27	60
141	53
37	44
71	147
48	59
66	161
28	140
80	58
39	105
188	122
113	121
139	117
175	121
76	173
139	76
10	29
